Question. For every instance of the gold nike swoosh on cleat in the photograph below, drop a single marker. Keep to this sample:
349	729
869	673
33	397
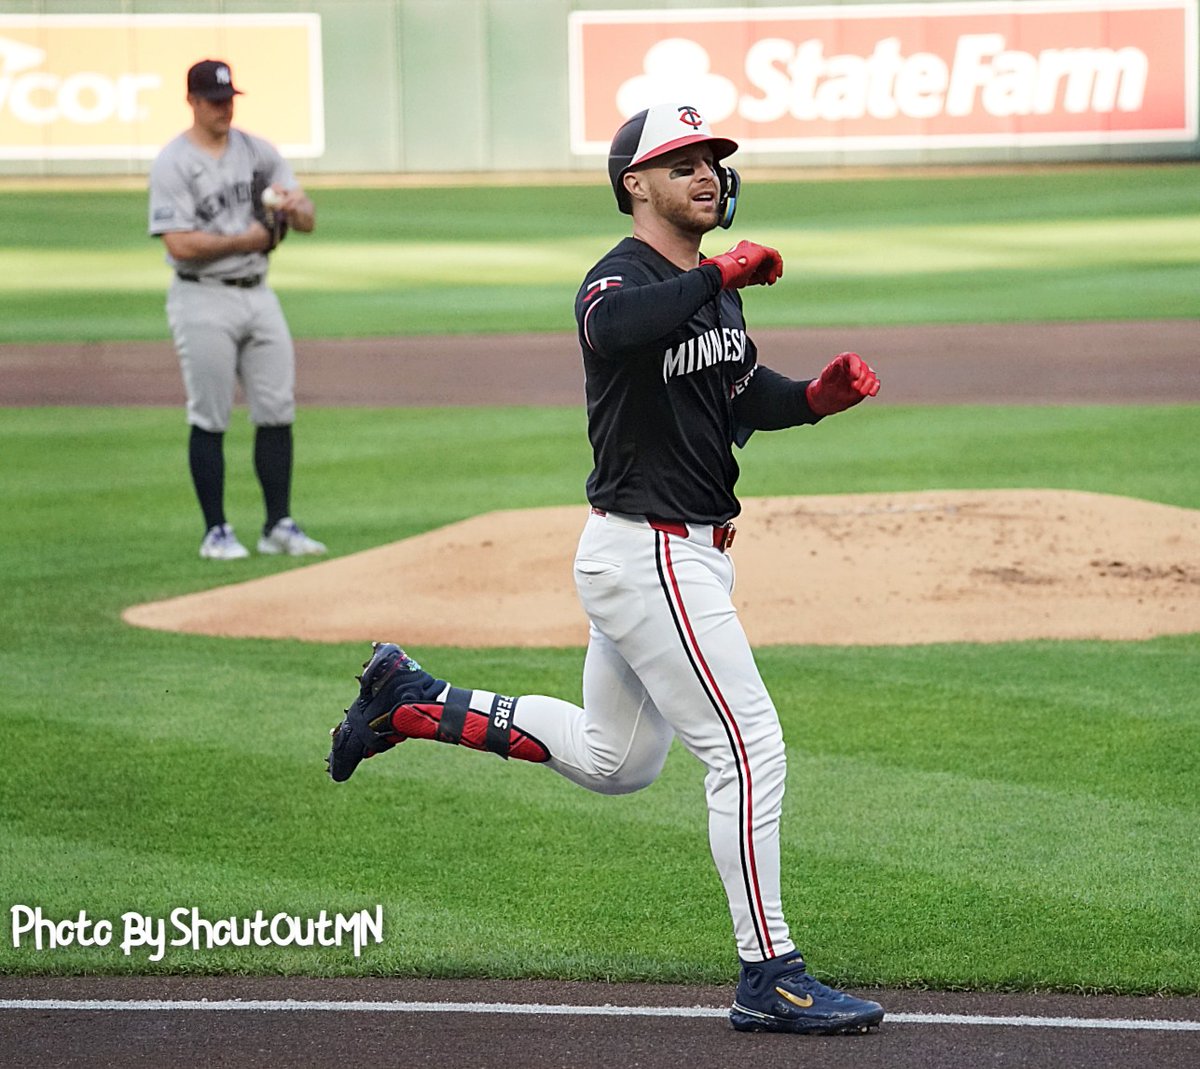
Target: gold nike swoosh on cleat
803	1003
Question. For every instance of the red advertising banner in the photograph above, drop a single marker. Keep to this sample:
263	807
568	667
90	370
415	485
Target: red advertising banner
896	76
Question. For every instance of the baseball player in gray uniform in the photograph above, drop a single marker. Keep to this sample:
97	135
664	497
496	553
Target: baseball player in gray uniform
673	383
207	204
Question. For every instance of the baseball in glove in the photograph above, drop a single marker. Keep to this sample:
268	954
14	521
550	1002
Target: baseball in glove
274	219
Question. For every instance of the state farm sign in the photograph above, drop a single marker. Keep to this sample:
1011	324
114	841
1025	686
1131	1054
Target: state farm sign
880	76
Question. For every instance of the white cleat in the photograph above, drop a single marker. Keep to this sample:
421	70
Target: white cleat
220	543
287	537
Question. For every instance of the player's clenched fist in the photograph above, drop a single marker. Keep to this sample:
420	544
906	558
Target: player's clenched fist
747	264
846	380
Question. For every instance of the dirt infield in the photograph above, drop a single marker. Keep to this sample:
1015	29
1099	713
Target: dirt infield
1053	363
954	566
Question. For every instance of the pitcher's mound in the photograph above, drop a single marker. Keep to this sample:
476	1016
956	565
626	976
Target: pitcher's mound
862	569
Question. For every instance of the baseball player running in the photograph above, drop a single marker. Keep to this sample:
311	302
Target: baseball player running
207	190
673	383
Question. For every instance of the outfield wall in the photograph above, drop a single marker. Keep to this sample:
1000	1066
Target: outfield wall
449	86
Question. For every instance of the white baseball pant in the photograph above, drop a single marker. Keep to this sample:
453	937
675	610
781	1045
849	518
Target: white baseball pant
668	656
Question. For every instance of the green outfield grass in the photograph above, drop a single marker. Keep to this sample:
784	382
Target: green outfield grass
1020	815
1109	242
1013	816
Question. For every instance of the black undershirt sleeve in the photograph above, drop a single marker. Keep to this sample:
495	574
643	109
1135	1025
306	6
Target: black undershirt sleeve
627	319
771	402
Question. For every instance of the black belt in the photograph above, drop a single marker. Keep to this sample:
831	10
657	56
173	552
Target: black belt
246	283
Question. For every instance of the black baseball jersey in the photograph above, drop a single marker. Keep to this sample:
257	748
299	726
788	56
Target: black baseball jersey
673	382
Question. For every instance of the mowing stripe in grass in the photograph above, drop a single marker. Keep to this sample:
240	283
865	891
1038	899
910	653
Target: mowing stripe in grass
846	251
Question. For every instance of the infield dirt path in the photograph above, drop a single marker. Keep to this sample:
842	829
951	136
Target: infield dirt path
1055	363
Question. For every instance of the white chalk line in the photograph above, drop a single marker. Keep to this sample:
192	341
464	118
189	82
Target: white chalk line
348	1006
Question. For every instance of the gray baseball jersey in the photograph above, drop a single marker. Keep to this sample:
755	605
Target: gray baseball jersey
191	190
232	332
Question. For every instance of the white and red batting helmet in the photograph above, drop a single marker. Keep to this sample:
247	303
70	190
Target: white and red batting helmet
657	131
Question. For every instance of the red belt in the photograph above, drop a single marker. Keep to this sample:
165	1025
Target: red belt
722	537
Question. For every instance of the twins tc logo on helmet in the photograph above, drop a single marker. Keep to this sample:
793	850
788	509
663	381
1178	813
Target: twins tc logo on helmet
666	127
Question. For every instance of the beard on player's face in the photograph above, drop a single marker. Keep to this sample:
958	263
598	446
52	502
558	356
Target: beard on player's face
684	192
686	216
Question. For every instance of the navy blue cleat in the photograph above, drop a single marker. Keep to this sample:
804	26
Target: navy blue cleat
390	678
778	995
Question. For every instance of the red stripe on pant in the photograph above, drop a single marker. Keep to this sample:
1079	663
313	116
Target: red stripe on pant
731	727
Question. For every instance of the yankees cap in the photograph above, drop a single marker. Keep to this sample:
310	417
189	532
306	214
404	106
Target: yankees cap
654	132
211	79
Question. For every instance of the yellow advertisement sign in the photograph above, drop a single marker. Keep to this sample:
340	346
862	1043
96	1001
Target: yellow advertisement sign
89	87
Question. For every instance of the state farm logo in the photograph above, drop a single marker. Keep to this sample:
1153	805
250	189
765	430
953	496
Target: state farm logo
678	68
878	76
37	97
800	80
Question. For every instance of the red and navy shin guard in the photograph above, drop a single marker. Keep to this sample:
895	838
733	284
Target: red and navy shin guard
454	721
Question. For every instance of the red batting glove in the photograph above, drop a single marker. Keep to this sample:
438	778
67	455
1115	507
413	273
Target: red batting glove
846	380
747	264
